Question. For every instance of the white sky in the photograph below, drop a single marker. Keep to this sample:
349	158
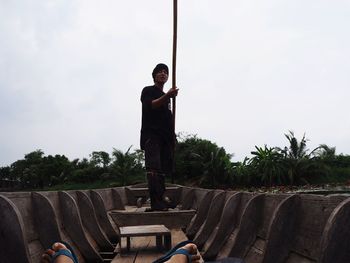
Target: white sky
71	72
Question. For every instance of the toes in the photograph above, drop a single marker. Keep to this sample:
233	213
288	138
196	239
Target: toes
57	246
195	258
191	248
45	258
49	252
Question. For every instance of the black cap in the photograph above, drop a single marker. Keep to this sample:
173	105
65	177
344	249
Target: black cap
158	68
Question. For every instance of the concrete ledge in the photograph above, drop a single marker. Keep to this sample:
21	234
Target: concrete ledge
215	211
90	222
231	236
269	205
118	203
281	230
23	203
200	216
54	200
111	199
335	245
187	200
45	220
260	228
311	218
73	225
102	217
228	222
248	226
298	227
12	238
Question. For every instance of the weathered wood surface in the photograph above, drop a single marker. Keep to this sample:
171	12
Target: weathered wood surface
212	220
160	232
12	232
137	216
144	249
200	216
298	229
145	230
335	241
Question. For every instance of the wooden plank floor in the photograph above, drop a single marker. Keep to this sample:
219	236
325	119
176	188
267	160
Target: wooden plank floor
143	249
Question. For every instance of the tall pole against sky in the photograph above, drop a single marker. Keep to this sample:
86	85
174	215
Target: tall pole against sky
174	73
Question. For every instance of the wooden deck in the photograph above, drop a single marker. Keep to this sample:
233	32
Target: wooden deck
159	232
144	249
133	216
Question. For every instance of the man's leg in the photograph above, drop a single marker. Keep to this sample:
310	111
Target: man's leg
155	177
156	190
167	157
167	164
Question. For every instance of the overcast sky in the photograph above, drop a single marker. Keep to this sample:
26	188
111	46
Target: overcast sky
71	72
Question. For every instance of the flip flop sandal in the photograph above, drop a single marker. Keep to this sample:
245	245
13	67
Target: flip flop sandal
65	252
175	250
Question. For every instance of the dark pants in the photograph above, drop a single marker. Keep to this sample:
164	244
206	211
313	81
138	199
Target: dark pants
156	188
159	162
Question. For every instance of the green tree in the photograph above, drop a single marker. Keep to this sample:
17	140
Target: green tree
218	170
202	161
83	172
268	165
128	164
243	173
301	165
5	173
56	169
100	158
33	174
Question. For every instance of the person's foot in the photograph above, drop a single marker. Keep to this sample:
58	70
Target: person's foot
50	253
139	202
169	203
193	257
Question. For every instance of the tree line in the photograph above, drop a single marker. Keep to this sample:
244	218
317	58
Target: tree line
37	171
198	162
204	162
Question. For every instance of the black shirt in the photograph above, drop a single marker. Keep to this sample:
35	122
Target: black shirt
155	122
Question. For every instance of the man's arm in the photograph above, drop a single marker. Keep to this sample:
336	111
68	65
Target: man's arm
164	99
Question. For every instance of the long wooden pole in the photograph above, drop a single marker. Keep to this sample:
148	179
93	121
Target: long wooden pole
174	77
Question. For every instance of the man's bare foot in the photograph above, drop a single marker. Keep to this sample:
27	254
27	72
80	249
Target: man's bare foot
182	258
49	253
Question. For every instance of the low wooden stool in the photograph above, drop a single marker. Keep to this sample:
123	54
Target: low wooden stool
161	232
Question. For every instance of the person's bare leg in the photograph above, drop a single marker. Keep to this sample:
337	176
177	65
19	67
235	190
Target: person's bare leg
46	257
180	258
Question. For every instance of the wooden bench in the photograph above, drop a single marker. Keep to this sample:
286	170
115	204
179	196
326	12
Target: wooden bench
140	217
162	234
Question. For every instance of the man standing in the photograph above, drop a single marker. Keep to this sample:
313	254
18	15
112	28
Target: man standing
157	135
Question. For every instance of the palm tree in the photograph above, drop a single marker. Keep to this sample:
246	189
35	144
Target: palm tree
218	169
127	163
326	153
268	165
300	164
242	173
